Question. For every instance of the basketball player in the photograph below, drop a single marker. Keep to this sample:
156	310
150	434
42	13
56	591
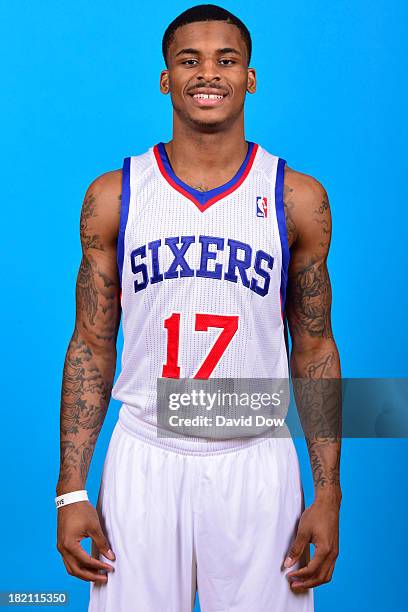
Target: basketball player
206	244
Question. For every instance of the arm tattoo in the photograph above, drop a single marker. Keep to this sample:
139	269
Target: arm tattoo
323	476
84	389
90	361
314	361
310	297
85	397
289	205
324	223
318	399
74	460
89	240
86	290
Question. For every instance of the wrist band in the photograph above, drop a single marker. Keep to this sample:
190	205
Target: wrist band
70	498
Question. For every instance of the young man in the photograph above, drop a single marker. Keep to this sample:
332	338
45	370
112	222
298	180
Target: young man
206	243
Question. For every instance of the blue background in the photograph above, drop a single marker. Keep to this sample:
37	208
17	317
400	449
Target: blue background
80	91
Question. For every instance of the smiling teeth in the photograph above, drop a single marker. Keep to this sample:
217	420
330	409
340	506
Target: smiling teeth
208	96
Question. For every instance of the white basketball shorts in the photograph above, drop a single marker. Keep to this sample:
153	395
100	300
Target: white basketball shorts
182	515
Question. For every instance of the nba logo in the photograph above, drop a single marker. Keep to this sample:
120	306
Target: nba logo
261	206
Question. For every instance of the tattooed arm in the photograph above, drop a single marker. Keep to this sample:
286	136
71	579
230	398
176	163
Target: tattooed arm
89	368
315	369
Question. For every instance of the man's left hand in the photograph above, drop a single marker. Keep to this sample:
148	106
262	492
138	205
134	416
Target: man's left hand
319	525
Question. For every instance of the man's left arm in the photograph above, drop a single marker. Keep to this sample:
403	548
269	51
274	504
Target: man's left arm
315	369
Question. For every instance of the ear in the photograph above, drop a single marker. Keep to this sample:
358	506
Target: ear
251	84
164	82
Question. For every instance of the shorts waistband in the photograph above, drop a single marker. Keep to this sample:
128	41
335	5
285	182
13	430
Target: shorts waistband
185	445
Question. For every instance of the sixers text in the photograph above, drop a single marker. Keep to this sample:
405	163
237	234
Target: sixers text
241	261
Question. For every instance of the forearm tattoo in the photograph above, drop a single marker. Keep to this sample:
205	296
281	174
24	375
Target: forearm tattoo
318	399
84	400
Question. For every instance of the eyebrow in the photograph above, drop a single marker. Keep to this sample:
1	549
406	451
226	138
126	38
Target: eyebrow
191	51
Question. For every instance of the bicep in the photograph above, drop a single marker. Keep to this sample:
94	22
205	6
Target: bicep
98	287
98	297
308	306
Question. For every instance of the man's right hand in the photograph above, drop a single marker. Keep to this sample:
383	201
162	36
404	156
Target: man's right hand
75	522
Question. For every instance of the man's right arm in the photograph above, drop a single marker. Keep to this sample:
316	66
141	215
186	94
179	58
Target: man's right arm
89	366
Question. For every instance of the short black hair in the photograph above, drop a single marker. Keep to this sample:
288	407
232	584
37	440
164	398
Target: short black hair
204	12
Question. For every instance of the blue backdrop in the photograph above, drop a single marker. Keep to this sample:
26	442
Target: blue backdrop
80	84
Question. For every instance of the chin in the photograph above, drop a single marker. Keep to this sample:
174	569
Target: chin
208	123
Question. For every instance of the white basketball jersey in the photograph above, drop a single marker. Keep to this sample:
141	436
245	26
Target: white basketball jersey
203	276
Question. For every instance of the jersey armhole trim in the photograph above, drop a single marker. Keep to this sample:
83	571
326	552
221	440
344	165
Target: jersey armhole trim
280	215
124	213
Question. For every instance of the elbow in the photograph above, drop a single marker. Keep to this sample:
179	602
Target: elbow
100	343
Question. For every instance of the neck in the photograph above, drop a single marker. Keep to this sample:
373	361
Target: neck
201	153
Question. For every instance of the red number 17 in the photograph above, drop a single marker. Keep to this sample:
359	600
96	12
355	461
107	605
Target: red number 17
229	323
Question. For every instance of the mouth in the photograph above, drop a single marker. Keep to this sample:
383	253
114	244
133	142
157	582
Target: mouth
208	99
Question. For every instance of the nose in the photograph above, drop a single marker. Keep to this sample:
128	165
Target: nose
208	70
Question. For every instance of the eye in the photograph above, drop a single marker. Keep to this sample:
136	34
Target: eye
228	60
189	60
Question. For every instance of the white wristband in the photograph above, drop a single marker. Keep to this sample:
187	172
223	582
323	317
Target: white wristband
70	498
